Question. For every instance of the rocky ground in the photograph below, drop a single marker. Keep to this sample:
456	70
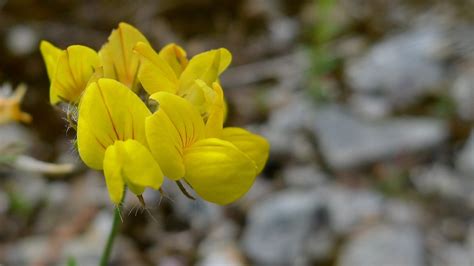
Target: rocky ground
367	104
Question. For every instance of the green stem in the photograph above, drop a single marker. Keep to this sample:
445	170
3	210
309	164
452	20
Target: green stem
110	241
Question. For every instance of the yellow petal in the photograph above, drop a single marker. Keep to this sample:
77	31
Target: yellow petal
74	68
108	111
140	168
183	115
206	66
98	74
165	145
198	95
255	146
175	126
113	174
118	58
218	171
175	56
155	73
132	163
215	120
91	149
50	55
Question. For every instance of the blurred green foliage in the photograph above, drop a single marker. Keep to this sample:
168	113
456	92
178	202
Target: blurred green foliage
7	159
18	204
10	152
394	184
71	261
444	107
323	61
325	29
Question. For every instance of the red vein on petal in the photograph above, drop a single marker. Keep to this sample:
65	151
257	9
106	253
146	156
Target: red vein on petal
122	43
100	143
108	112
176	128
70	68
133	126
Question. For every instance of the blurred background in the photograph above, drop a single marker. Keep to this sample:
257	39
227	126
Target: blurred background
367	104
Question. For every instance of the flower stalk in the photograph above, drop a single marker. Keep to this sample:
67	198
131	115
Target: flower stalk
111	238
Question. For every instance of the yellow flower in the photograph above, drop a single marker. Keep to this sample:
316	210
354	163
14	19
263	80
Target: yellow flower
68	70
183	139
219	164
111	136
175	56
118	59
10	107
170	71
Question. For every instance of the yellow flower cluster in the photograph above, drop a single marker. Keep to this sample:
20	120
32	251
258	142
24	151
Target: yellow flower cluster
184	139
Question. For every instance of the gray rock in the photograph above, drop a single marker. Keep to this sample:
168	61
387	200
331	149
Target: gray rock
62	199
199	213
28	189
259	190
470	242
347	141
285	129
349	208
401	67
300	225
58	193
441	180
87	248
283	31
452	227
287	69
292	116
289	144
15	135
56	207
171	260
463	94
465	157
220	248
92	191
451	254
278	226
384	245
307	175
173	248
350	46
320	244
27	251
370	107
403	212
22	40
267	8
228	255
